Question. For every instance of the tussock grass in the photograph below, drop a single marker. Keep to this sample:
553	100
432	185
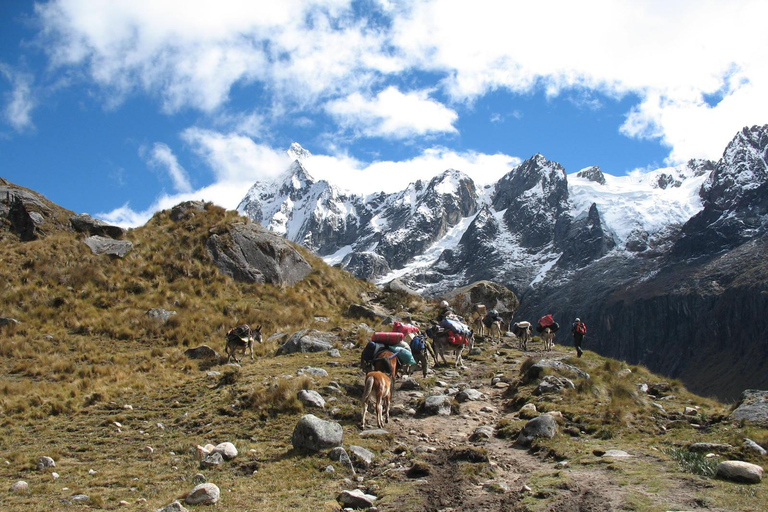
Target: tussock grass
693	462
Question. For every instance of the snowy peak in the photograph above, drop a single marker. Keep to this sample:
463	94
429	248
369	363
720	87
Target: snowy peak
593	173
297	152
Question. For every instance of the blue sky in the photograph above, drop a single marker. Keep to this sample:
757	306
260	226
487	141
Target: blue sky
119	108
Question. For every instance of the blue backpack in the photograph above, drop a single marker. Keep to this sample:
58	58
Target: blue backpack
418	344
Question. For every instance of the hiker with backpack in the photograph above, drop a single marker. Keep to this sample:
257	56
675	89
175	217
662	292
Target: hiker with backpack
579	330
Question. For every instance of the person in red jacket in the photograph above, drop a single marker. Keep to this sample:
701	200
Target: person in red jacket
579	330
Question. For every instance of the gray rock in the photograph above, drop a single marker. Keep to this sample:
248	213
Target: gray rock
753	407
409	384
45	462
103	245
199	479
482	433
476	351
308	340
356	499
360	456
20	486
540	368
329	469
334	352
375	432
340	455
311	398
186	210
709	447
203	494
528	411
552	384
541	426
439	405
369	312
84	223
8	321
227	450
212	460
314	434
80	498
159	314
309	370
249	253
469	395
201	352
616	454
173	507
753	446
739	471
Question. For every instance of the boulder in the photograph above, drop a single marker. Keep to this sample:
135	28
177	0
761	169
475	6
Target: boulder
203	494
739	471
30	215
159	314
173	507
437	405
212	460
310	370
312	433
482	433
373	313
186	210
360	456
340	455
753	407
311	398
528	411
201	352
102	245
469	395
227	450
45	462
541	426
552	384
20	486
492	295
84	223
251	254
356	499
308	340
8	321
539	368
753	446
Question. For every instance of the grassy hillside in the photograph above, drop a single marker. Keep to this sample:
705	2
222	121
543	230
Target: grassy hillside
87	378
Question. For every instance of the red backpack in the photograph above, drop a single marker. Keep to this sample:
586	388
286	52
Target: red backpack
581	328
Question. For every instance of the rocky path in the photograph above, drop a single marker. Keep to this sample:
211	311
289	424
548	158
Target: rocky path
437	454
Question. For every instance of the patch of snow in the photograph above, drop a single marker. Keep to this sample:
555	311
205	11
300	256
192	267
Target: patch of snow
338	256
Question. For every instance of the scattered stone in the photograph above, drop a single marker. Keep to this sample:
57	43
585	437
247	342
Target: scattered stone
361	456
552	384
476	351
542	426
329	469
91	472
149	449
753	407
80	498
739	471
482	433
203	494
409	384
45	462
540	368
334	352
469	395
160	314
643	388
497	487
314	434
20	486
340	455
201	352
375	432
227	450
212	460
308	340
356	499
123	503
102	245
55	475
709	447
528	411
691	411
198	479
753	446
616	454
186	210
439	405
317	372
311	398
626	372
173	507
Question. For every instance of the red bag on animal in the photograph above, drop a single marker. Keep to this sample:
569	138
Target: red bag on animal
404	328
388	338
457	339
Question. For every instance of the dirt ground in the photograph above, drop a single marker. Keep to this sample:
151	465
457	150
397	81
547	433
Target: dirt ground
503	483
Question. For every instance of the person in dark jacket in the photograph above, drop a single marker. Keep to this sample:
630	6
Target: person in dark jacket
579	330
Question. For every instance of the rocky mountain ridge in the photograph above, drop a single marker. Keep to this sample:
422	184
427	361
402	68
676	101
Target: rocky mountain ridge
573	245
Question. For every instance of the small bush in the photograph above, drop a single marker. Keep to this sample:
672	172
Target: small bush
692	462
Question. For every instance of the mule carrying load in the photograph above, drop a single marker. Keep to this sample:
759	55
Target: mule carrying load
547	321
392	341
458	332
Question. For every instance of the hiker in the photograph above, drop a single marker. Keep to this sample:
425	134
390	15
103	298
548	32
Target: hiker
579	330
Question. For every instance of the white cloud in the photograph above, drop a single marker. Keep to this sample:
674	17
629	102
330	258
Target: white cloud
392	114
20	100
162	157
308	53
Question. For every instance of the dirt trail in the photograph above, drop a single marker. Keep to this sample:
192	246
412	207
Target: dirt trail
448	488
